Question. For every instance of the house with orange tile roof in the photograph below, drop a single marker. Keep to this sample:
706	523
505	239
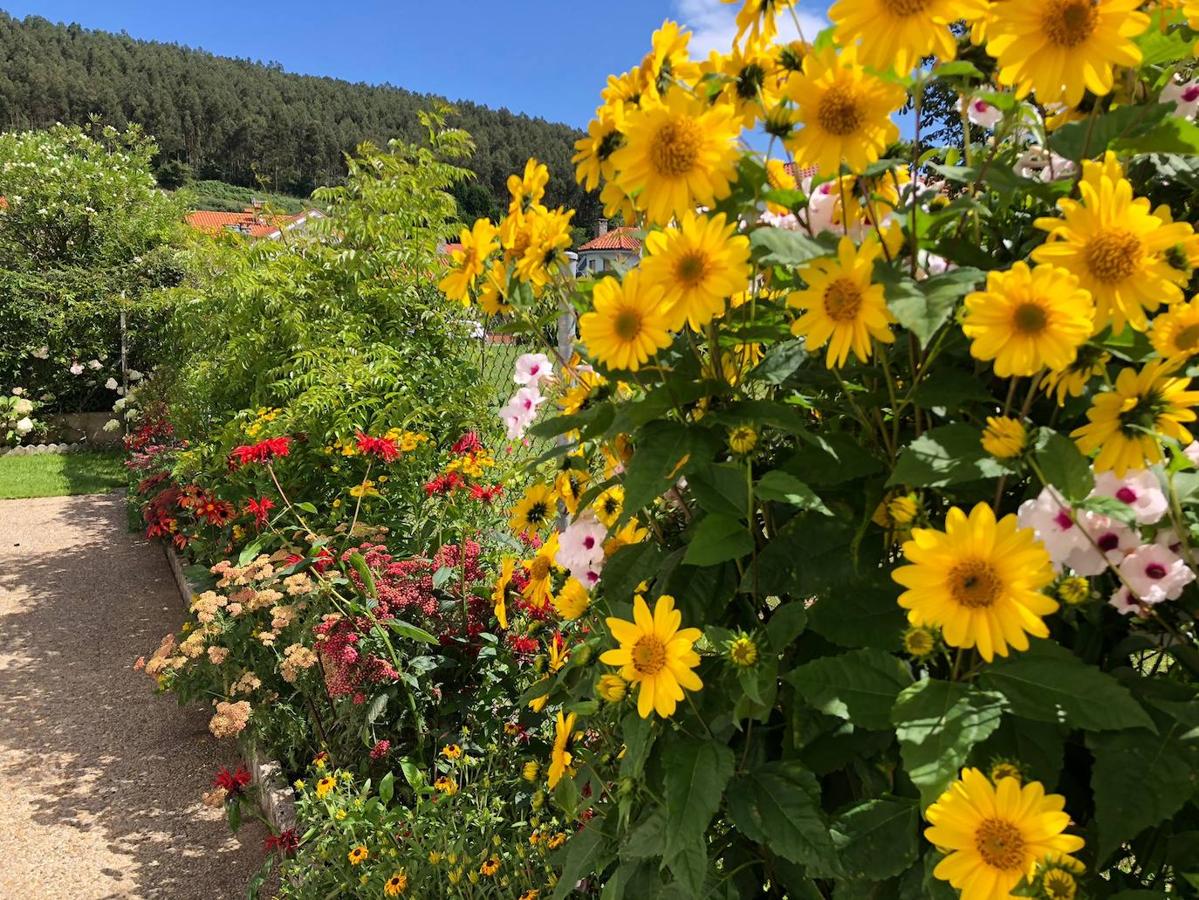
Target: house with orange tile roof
611	250
251	222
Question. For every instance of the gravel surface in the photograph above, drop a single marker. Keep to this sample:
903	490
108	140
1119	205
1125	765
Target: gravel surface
101	779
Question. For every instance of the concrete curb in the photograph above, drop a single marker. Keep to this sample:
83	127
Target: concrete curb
274	795
41	449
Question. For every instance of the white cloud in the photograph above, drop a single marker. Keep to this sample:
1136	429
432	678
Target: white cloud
714	24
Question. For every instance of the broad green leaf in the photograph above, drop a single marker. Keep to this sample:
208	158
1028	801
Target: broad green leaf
588	851
951	454
387	786
688	863
368	578
720	489
1050	684
377	705
786	488
786	623
249	552
412	632
830	459
631	565
778	804
696	776
860	686
877	839
717	539
1089	137
861	615
937	723
779	247
1039	746
307	507
923	307
1063	465
663	451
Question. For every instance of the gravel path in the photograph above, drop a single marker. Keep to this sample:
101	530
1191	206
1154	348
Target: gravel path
101	779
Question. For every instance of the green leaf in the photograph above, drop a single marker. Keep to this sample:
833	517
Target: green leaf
696	776
786	623
832	459
951	454
663	451
307	507
688	863
877	839
364	572
862	615
233	815
631	565
779	247
780	363
1063	465
387	786
720	489
249	552
412	632
923	307
860	686
586	852
1039	746
1050	684
1171	135
950	389
937	723
778	804
1089	137
442	575
412	774
786	488
377	705
717	539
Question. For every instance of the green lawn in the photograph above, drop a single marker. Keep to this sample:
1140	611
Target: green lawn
60	475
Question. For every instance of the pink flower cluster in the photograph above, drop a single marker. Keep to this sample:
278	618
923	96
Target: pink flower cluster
581	549
532	370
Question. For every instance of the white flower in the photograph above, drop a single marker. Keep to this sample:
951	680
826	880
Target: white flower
1191	451
111	384
112	425
821	206
1139	489
24	426
1037	162
18	391
1124	603
135	375
1154	574
95	365
785	221
1184	96
41	353
22	407
532	369
1049	516
76	368
520	411
1110	541
983	114
581	547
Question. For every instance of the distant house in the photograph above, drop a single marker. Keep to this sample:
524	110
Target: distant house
799	173
252	222
611	250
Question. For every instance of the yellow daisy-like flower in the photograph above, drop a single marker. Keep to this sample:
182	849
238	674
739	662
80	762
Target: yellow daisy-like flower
452	751
528	190
1124	424
743	439
570	485
1072	381
747	79
446	785
668	60
742	651
540	569
842	306
656	655
996	834
1058	876
697	266
573	600
561	757
611	688
1005	768
898	33
545	242
493	296
1004	437
778	178
845	112
1176	331
396	884
1074	590
757	18
357	855
324	786
629	533
490	866
478	243
1061	48
535	512
530	771
609	505
629	324
1027	319
979	581
499	595
593	154
919	643
678	154
1116	247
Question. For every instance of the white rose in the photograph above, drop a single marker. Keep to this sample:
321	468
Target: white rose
111	384
95	364
76	368
135	375
17	392
24	426
41	353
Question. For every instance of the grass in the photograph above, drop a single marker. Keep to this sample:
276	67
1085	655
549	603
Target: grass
60	474
218	195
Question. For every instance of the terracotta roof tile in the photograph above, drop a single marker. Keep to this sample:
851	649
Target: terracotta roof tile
617	239
249	222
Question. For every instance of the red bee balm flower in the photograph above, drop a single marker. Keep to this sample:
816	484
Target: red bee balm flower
285	842
263	451
260	510
384	449
233	782
468	443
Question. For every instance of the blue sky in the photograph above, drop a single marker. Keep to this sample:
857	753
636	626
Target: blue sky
547	58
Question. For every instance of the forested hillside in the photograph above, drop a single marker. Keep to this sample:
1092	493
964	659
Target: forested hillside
240	121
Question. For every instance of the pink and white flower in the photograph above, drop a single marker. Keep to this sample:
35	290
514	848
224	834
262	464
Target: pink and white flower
581	548
982	113
1124	602
76	368
1191	452
1139	489
1050	517
520	411
532	369
1184	95
1110	542
1153	573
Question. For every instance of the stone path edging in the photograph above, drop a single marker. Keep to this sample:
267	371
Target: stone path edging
274	796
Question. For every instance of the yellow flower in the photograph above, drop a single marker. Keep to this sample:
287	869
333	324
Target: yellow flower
779	179
903	509
452	751
611	688
593	154
1124	423
478	243
697	265
490	866
919	642
1027	319
668	61
570	485
898	33
655	654
530	771
324	786
844	110
1004	437
996	834
535	512
493	298
446	785
629	322
396	884
1072	381
743	439
540	569
537	240
1116	247
609	505
746	77
1176	331
561	757
573	600
678	154
528	189
357	855
743	652
500	593
630	532
556	650
979	581
842	306
1058	875
1074	590
756	18
366	489
530	894
1005	768
556	841
1059	48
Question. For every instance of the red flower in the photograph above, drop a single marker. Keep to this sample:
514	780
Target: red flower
263	451
380	750
468	443
233	782
485	494
285	842
214	512
525	646
381	448
260	510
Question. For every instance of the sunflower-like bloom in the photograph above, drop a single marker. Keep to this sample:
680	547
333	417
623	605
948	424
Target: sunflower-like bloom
1124	424
1176	331
1072	381
528	190
478	243
1119	250
678	154
668	61
778	178
979	581
500	594
629	324
758	18
842	306
1027	319
697	266
561	757
544	241
996	835
845	112
609	505
898	33
748	79
539	589
535	511
1059	48
570	485
656	655
1004	437
593	153
573	600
